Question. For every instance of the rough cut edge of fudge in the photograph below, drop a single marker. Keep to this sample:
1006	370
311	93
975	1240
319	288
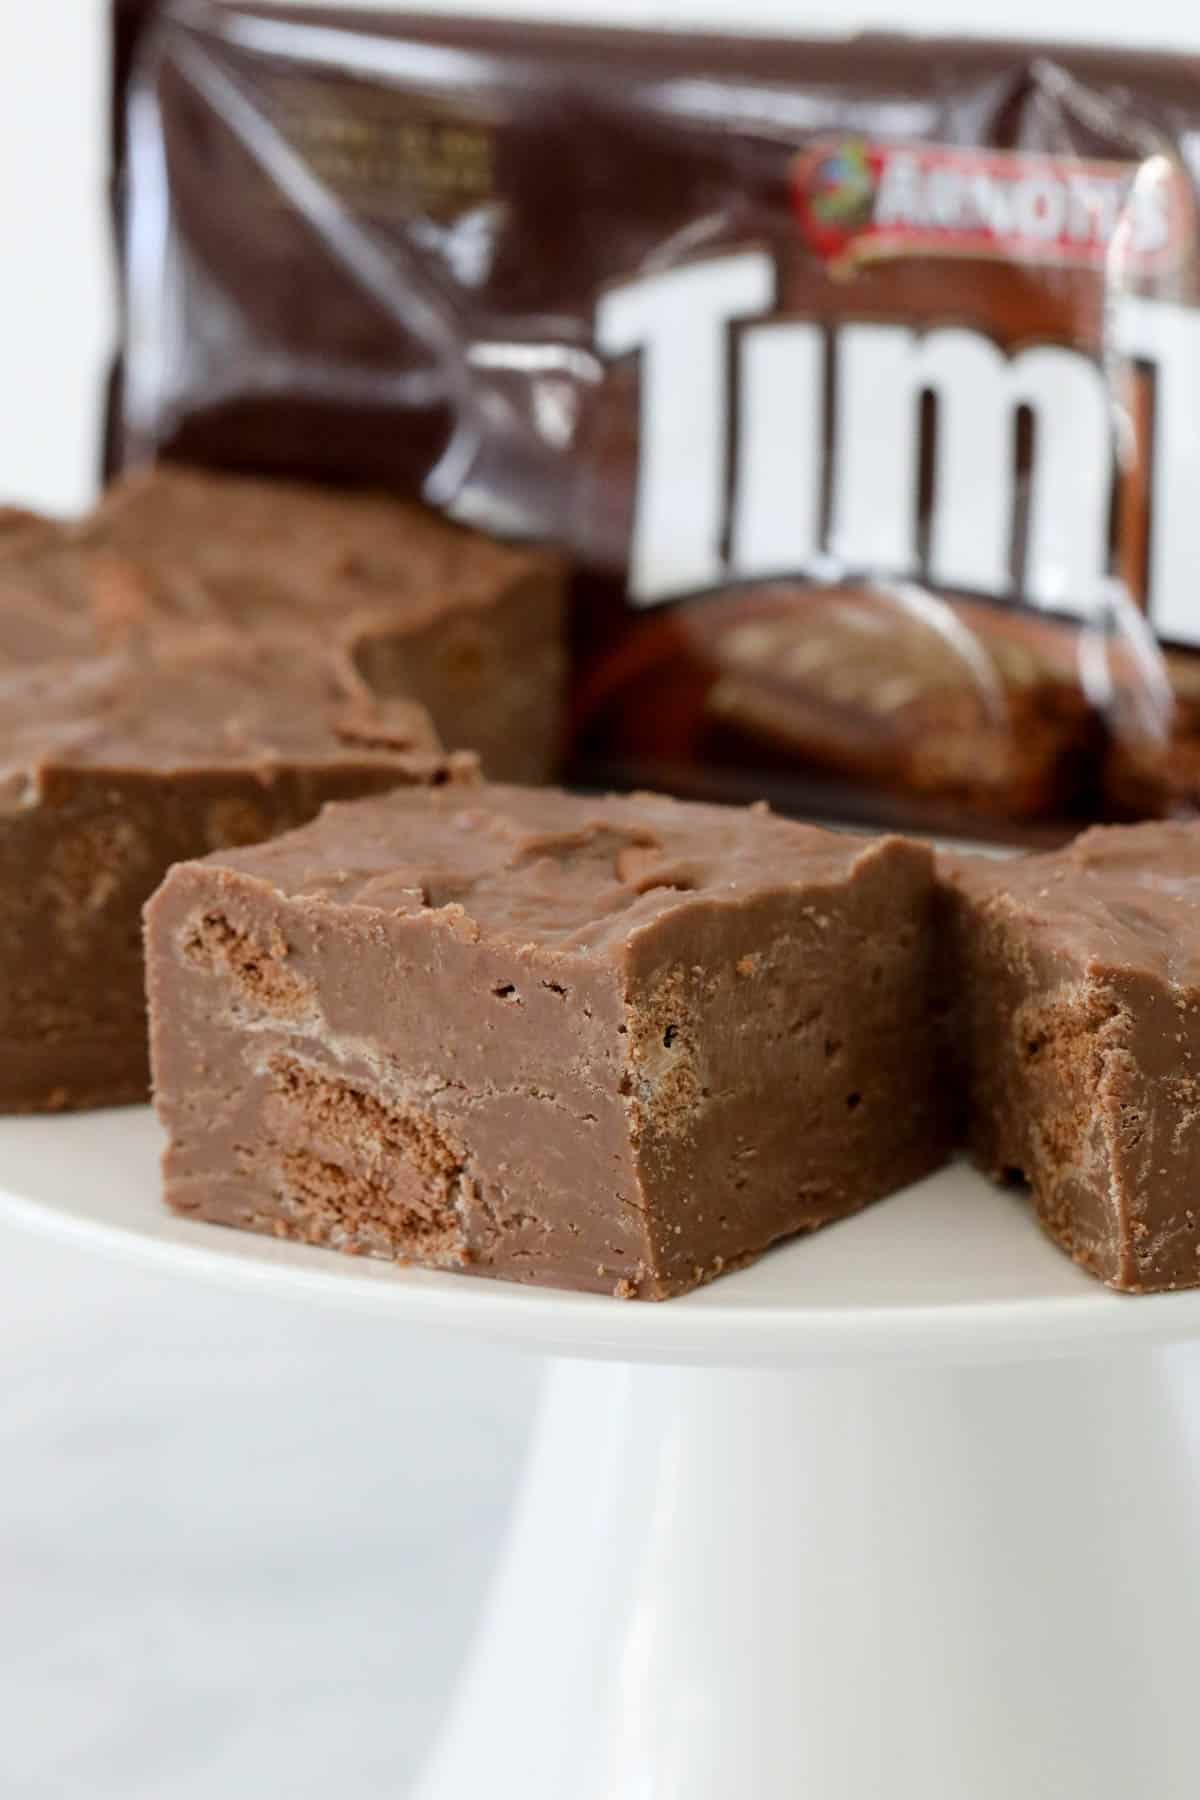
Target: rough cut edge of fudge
473	629
1077	1032
617	1045
112	768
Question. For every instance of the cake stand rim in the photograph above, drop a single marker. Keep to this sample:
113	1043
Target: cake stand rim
91	1179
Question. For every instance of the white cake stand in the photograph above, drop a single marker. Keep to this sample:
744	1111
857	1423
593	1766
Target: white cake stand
911	1509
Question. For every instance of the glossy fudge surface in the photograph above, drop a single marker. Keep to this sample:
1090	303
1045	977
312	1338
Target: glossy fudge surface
607	1044
1078	1032
111	769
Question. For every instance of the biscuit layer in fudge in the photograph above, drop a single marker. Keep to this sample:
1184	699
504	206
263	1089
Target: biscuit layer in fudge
1077	977
471	628
606	1044
112	768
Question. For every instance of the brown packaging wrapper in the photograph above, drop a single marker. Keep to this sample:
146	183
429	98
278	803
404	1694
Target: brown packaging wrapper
857	377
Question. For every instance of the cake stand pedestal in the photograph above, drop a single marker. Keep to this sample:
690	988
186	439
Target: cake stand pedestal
908	1510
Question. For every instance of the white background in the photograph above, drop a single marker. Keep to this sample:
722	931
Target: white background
240	1543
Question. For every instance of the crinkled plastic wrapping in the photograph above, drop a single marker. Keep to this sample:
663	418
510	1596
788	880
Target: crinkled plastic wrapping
861	379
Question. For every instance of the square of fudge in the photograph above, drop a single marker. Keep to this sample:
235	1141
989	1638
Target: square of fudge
115	767
471	628
1077	1028
615	1045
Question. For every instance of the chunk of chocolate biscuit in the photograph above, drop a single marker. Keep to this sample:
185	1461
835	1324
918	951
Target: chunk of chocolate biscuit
890	685
606	1044
1077	1022
114	767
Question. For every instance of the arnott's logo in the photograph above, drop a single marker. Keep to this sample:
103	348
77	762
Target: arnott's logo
859	201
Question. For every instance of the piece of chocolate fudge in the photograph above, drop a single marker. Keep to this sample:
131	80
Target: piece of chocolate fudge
17	524
45	610
471	628
606	1044
114	767
1077	1022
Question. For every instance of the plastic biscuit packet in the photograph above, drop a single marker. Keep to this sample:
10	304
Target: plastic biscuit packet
859	378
